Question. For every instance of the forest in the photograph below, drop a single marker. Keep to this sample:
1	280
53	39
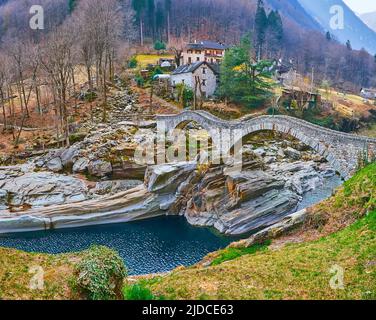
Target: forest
99	36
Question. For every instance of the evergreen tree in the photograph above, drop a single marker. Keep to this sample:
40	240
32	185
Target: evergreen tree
261	24
71	5
242	80
274	31
168	5
151	16
160	19
348	45
139	6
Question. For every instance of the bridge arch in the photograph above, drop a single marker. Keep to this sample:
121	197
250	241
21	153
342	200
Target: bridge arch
341	150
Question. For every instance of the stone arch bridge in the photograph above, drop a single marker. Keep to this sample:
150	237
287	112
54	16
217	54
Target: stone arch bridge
342	150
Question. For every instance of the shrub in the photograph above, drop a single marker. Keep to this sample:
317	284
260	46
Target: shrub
159	45
157	70
185	94
90	96
139	80
77	137
133	63
100	274
137	292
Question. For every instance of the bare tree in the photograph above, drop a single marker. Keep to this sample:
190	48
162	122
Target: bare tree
56	58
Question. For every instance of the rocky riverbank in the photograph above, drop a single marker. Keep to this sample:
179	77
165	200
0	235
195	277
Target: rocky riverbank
96	181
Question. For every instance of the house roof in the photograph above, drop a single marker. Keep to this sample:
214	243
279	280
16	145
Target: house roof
369	90
190	68
205	44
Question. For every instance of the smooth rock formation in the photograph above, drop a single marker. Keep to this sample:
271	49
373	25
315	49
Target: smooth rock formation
43	189
115	186
130	205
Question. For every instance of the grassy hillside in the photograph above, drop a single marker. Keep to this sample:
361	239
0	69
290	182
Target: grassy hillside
17	270
295	271
344	233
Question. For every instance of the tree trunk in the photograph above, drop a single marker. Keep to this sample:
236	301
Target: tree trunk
168	27
4	112
141	32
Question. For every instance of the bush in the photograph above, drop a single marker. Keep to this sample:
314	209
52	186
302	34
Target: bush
185	94
139	80
137	292
100	274
90	96
159	45
157	70
133	63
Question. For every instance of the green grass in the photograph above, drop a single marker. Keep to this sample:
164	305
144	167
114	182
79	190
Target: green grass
144	59
229	254
16	273
295	271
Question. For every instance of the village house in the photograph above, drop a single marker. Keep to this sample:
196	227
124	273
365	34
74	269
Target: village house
197	73
208	51
368	93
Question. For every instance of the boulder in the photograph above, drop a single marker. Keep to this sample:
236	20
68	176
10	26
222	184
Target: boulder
167	178
81	165
55	165
292	153
68	156
100	168
3	199
128	170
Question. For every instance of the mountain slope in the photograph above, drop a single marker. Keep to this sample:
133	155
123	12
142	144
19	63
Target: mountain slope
355	30
293	10
369	19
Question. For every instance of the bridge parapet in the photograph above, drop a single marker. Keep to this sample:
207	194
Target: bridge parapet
342	150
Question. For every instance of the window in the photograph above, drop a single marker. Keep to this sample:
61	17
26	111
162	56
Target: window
189	60
198	52
198	58
204	83
203	70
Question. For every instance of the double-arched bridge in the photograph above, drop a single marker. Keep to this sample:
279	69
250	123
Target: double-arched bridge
341	150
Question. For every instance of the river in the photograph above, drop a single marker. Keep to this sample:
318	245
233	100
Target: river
148	246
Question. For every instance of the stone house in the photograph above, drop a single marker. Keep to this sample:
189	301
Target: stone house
208	51
206	73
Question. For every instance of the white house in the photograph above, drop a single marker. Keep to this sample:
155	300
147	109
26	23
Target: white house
208	51
206	73
368	93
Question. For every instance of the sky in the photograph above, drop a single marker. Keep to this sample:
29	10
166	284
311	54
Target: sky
362	6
